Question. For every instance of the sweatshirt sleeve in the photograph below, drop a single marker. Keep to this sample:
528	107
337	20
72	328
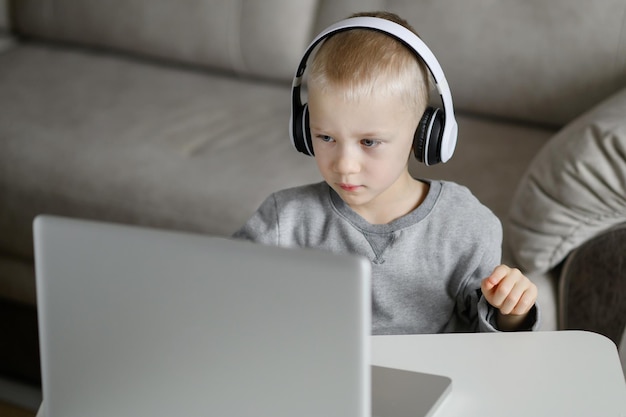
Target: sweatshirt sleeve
487	318
471	304
263	226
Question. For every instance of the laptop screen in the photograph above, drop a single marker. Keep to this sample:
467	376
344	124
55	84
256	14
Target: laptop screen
142	322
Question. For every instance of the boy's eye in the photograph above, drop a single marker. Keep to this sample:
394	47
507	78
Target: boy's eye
370	143
325	138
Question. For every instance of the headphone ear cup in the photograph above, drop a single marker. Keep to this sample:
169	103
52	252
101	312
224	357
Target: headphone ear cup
302	132
306	132
428	136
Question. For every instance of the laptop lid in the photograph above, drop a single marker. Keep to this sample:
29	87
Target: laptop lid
141	322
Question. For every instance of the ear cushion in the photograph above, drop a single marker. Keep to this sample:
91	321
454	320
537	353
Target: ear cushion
428	136
302	132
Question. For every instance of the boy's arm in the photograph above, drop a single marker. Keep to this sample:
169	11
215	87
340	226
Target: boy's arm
513	294
262	227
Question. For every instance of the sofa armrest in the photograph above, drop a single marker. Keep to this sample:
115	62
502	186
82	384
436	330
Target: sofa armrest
573	190
592	288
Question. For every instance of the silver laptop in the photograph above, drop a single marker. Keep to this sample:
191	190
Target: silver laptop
400	393
142	322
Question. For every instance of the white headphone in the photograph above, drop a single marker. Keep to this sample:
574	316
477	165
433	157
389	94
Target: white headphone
436	135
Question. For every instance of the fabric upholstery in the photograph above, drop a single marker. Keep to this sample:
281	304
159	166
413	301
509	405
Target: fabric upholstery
489	159
247	37
592	288
538	61
4	15
132	142
143	140
574	189
123	141
330	11
92	132
556	68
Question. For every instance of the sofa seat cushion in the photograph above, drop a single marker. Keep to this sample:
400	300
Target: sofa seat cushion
90	135
573	190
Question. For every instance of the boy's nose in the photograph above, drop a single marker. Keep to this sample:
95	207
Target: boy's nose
346	162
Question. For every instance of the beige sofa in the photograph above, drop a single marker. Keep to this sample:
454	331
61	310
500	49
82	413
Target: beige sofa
174	114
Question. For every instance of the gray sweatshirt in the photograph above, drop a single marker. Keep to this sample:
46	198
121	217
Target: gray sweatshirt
427	266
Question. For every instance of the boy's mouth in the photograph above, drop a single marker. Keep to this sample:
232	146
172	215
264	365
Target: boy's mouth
349	187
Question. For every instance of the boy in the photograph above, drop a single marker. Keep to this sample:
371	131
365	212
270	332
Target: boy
434	248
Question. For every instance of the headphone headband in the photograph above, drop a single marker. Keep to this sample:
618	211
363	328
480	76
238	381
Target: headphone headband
409	39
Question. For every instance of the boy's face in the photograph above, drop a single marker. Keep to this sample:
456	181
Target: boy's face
362	148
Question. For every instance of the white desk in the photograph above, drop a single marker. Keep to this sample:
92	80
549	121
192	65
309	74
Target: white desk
515	374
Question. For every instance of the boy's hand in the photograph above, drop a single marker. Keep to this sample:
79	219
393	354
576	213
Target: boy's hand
512	293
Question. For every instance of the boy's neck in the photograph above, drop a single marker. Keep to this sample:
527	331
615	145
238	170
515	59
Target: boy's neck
389	210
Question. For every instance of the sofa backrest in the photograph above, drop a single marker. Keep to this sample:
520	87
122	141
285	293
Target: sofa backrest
542	61
247	37
533	60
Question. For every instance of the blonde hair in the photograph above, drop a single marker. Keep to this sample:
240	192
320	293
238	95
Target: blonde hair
364	62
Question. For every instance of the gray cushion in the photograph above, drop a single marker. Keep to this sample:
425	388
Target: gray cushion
574	189
126	141
545	62
248	37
